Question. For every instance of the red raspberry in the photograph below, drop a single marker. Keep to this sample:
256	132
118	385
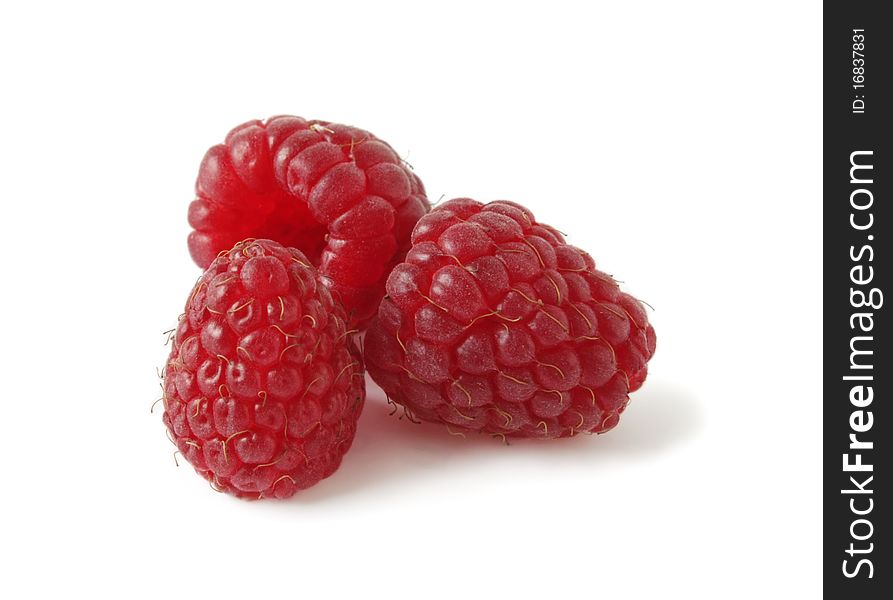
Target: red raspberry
263	386
337	193
494	324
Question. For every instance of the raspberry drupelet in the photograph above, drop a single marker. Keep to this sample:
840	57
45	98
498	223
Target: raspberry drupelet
494	324
336	193
264	385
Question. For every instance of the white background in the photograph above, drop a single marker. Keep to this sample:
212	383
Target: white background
679	143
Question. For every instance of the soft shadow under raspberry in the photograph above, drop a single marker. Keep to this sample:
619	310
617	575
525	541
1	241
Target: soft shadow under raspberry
389	450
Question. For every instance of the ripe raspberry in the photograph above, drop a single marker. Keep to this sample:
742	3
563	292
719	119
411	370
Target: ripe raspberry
337	193
263	386
494	324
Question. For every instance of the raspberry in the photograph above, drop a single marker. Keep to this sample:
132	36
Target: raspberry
495	324
263	386
337	193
